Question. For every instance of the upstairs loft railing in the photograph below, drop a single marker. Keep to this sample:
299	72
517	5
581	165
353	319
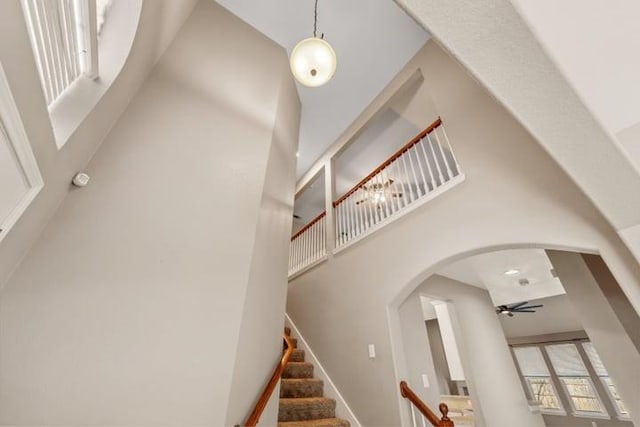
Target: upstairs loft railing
263	399
308	245
412	174
420	170
424	414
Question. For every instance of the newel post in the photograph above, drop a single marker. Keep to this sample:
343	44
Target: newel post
445	421
330	192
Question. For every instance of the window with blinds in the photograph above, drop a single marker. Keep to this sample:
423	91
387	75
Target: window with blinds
603	375
64	39
572	372
536	375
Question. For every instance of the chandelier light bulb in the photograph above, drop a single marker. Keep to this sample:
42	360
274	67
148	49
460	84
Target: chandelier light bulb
313	62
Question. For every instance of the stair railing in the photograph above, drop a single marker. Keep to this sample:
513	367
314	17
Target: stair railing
415	173
308	245
255	415
426	413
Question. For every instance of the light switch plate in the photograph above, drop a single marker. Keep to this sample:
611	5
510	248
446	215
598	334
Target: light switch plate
372	351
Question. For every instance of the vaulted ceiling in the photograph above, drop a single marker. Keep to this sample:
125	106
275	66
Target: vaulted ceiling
373	40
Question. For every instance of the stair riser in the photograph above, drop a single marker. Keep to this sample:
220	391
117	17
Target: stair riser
330	422
298	370
297	356
296	412
301	388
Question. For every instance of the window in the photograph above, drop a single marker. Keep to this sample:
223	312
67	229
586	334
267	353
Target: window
602	373
20	180
573	374
538	379
64	39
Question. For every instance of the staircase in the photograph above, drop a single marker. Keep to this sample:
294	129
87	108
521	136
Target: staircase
301	396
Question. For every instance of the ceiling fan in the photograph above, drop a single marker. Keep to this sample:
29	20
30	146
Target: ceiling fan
521	307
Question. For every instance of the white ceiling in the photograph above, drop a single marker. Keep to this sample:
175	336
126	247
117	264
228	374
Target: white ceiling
555	317
373	40
595	43
487	271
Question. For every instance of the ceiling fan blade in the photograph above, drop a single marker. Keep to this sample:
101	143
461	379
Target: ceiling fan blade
518	305
525	311
529	306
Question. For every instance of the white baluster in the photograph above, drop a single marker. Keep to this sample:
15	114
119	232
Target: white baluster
455	159
403	200
424	179
413	415
435	160
381	203
359	210
406	178
294	250
340	227
351	219
444	158
314	246
413	169
424	420
305	253
426	161
389	206
323	233
368	203
395	187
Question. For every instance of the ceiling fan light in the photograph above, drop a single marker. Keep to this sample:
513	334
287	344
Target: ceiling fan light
313	62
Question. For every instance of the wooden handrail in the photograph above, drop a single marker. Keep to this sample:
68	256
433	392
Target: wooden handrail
254	417
390	160
407	393
308	226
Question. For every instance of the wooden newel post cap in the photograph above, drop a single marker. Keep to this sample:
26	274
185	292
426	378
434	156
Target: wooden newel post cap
445	421
444	409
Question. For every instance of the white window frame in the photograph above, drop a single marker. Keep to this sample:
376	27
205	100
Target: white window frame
64	41
604	414
612	399
549	411
13	129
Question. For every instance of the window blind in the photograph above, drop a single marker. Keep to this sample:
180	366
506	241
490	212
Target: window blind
531	362
595	360
566	360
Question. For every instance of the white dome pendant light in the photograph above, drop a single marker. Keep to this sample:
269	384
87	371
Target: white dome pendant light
313	60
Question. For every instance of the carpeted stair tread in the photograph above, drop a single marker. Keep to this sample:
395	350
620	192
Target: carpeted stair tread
297	355
306	408
298	370
301	387
325	422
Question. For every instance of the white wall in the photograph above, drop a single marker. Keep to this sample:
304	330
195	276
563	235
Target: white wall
614	345
419	357
514	194
159	21
132	306
497	396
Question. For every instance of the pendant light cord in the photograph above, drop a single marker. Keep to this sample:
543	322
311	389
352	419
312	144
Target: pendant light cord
315	21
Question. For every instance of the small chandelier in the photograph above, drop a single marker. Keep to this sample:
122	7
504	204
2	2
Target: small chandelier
313	60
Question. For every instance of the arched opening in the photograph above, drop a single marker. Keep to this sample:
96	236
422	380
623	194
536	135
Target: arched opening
523	335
